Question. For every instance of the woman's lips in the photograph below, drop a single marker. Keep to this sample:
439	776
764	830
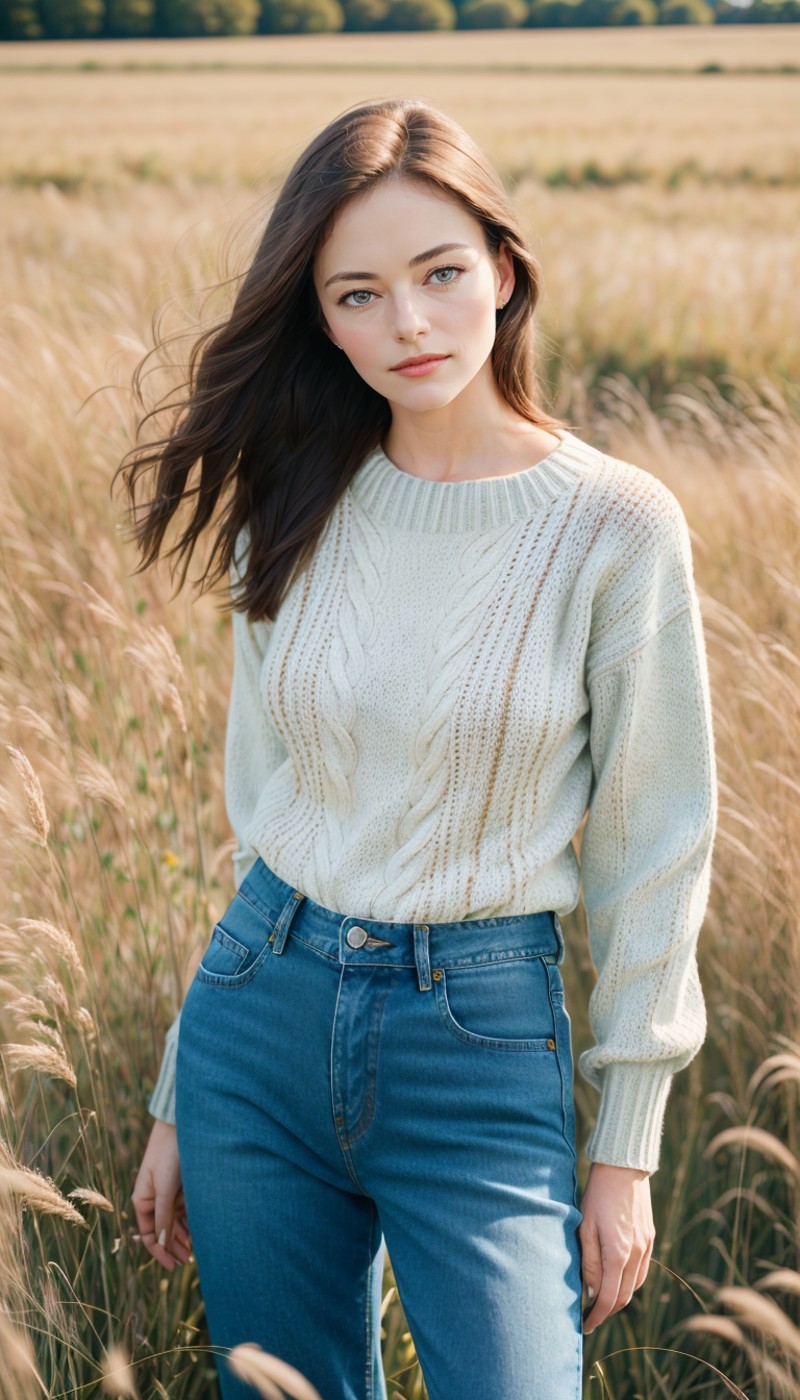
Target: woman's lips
415	371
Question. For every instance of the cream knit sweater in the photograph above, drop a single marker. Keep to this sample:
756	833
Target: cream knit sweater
462	670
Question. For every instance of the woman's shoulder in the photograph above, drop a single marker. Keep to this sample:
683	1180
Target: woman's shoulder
639	562
641	558
634	507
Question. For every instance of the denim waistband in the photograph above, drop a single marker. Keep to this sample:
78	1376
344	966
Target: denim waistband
423	946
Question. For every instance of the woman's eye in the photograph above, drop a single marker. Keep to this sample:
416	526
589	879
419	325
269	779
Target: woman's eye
361	293
447	269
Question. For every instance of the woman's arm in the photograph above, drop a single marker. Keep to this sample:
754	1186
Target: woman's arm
646	865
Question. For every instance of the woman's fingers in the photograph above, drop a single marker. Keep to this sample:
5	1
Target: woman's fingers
180	1234
620	1279
179	1253
158	1200
645	1264
617	1236
149	1230
161	1248
608	1293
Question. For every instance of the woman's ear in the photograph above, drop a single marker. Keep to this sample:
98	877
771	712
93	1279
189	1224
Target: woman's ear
505	271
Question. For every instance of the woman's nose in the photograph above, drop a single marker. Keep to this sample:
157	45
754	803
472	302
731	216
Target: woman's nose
409	320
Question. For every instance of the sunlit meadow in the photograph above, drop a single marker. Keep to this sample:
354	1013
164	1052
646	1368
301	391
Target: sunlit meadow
661	201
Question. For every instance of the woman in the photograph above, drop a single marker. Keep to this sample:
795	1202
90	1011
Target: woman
460	630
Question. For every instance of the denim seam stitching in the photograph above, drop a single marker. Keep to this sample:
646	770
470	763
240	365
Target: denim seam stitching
487	1042
480	959
233	981
332	957
342	1138
227	939
367	1114
487	959
268	917
561	1076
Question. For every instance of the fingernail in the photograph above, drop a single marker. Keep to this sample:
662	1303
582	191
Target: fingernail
162	1239
590	1290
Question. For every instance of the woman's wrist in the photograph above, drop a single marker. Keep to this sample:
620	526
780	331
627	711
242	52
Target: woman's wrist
639	1173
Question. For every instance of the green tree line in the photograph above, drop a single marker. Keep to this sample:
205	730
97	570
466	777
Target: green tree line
117	19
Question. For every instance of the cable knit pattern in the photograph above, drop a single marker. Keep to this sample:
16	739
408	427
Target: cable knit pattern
424	826
463	672
353	622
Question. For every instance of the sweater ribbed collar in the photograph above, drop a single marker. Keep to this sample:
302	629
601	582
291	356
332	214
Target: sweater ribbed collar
409	502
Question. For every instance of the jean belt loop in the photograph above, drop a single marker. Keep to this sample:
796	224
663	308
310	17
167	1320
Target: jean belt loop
422	957
559	932
280	933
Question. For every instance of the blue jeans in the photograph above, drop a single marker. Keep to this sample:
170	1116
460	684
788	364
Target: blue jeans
346	1086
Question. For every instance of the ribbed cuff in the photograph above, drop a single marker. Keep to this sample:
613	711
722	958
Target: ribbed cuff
162	1099
630	1118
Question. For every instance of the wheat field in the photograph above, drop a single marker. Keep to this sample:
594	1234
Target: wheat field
661	202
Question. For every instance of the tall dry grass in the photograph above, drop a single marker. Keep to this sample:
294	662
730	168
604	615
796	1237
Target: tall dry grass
115	857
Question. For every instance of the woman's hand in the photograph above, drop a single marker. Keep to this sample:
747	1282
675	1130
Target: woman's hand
158	1199
616	1237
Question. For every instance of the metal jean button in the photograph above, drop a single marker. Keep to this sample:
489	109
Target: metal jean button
357	936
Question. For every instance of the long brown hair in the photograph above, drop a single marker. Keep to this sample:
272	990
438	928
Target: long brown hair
269	404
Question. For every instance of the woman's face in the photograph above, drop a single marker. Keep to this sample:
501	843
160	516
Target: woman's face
389	291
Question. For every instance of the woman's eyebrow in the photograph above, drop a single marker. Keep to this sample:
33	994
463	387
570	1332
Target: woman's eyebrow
414	262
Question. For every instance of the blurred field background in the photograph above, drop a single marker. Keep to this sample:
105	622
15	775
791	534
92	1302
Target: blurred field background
662	203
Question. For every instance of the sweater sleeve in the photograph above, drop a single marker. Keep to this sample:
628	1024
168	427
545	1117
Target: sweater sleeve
647	842
252	751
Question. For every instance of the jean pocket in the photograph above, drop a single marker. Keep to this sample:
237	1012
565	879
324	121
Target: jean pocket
501	1005
239	944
